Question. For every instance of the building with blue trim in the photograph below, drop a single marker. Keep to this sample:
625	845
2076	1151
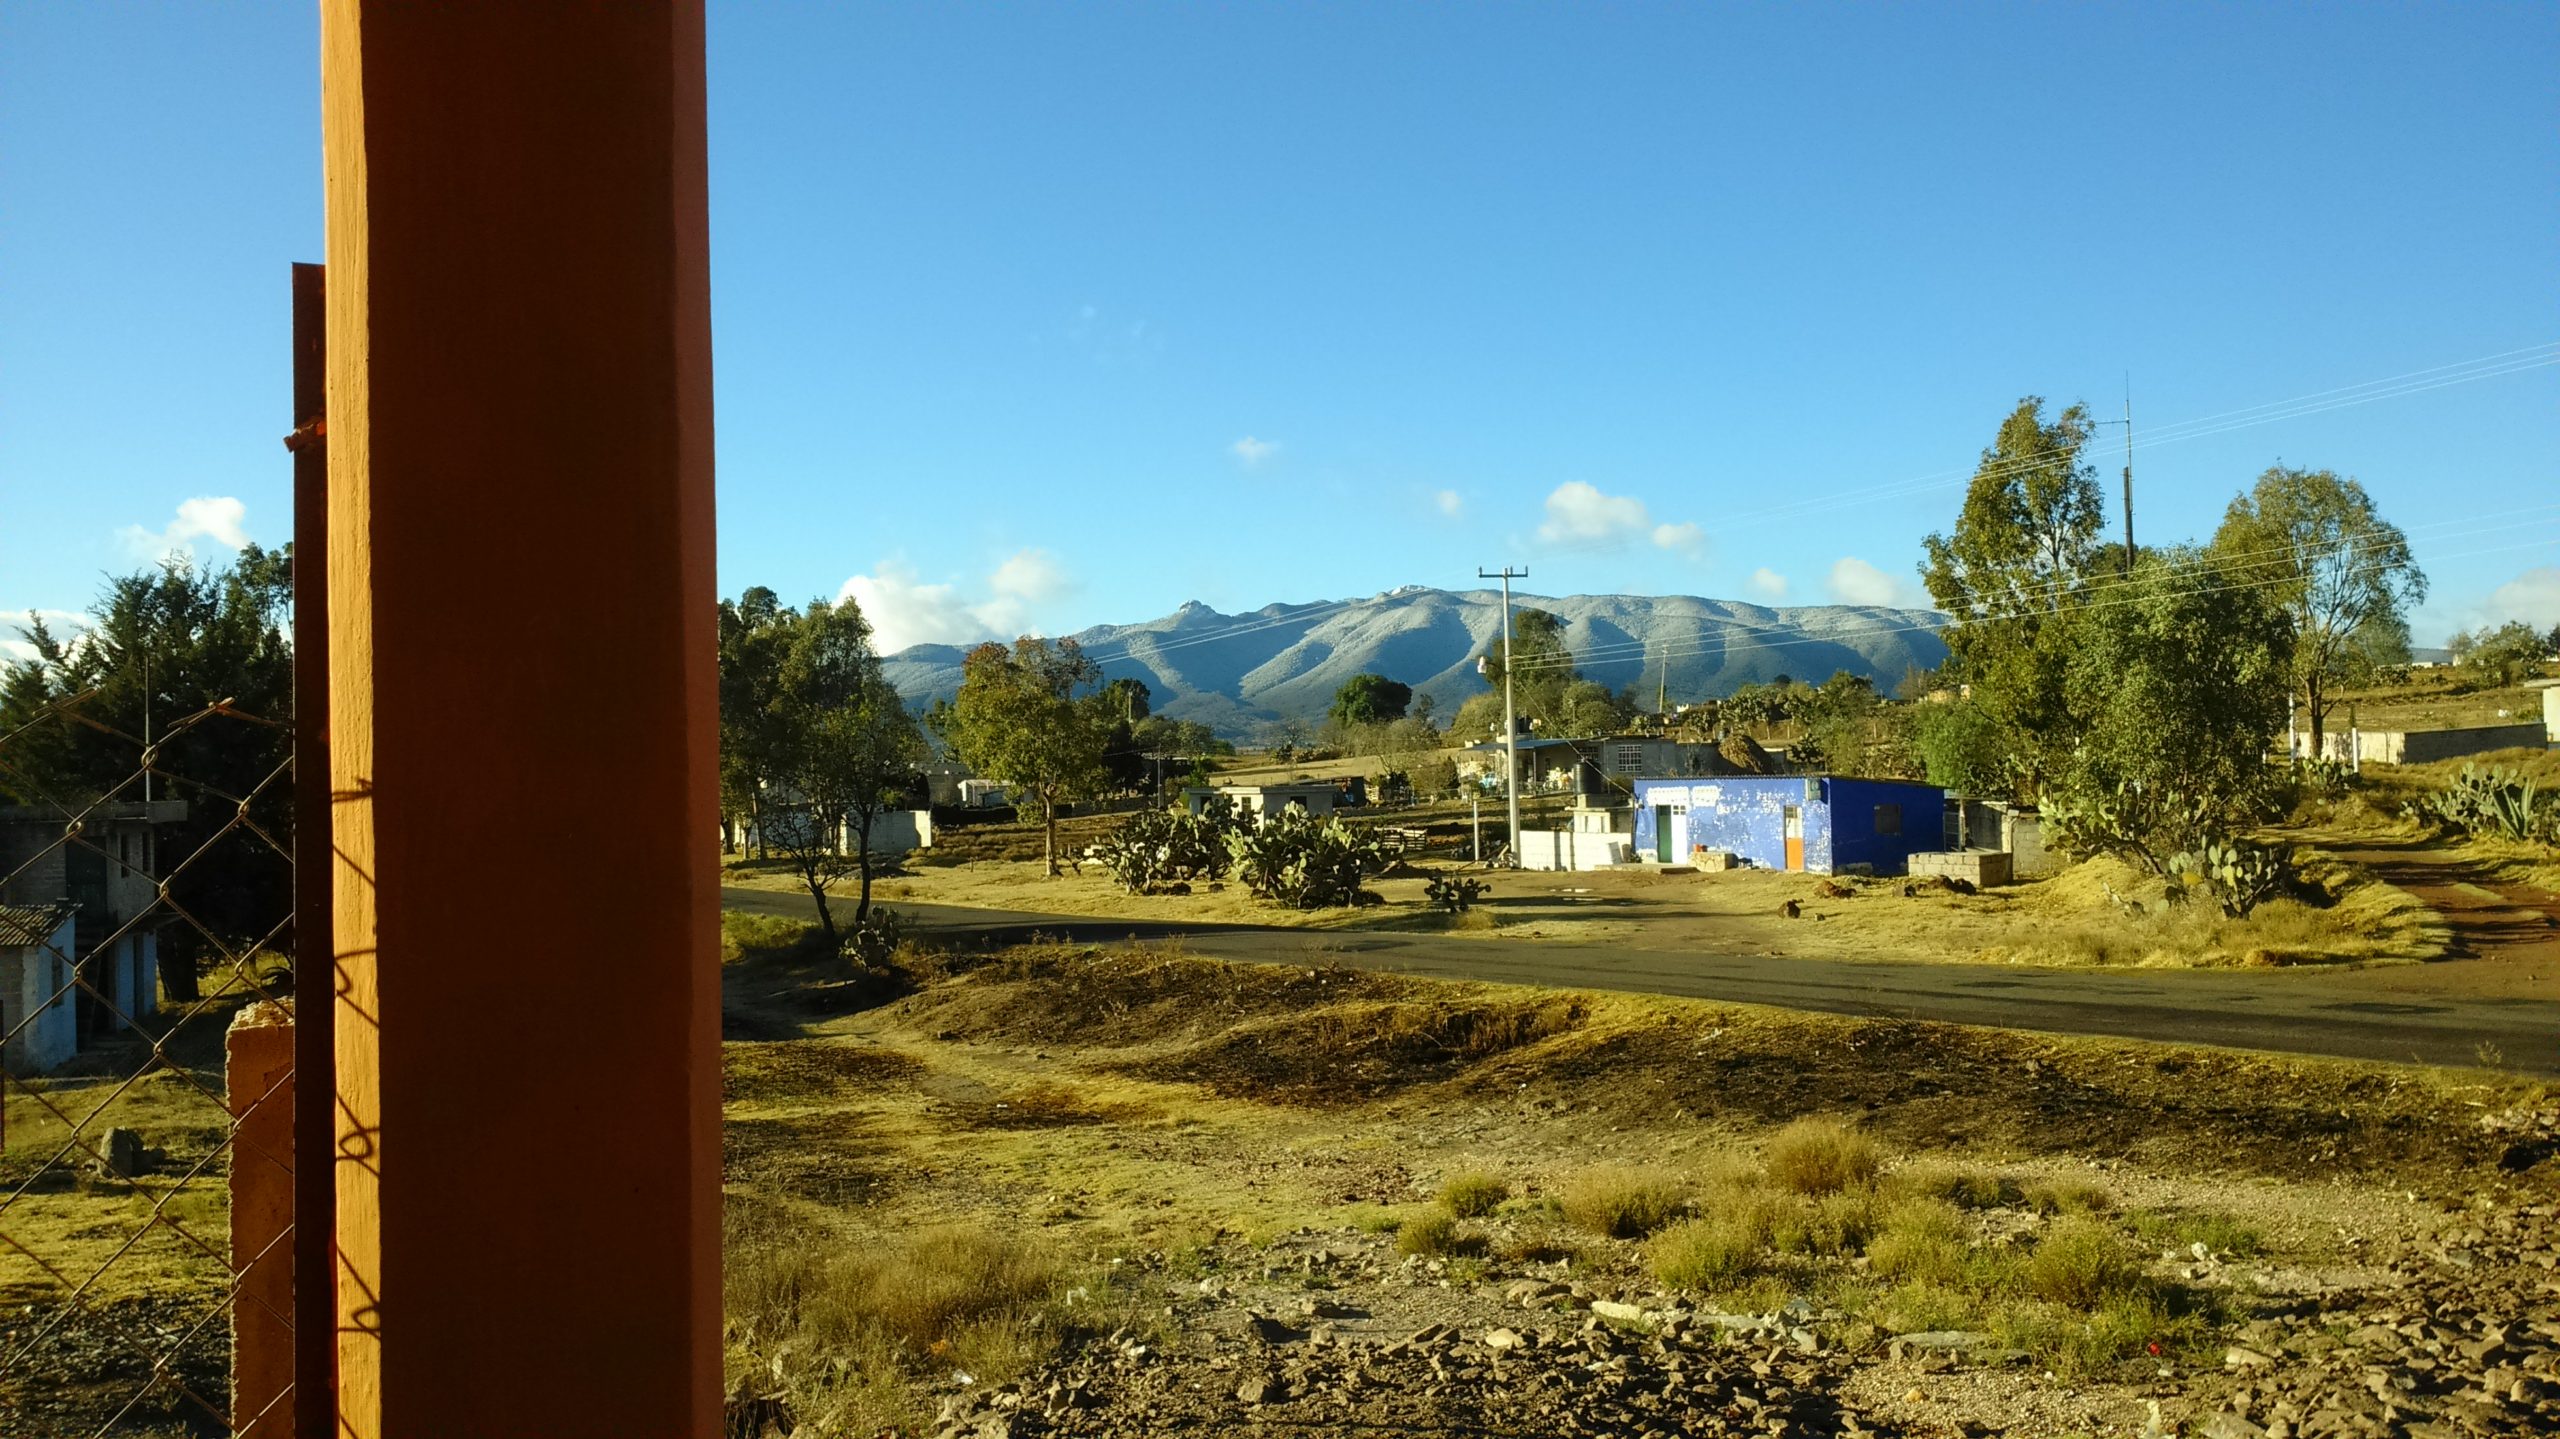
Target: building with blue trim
1818	824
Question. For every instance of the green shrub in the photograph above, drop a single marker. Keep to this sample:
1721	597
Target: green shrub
2067	1196
1714	1250
1835	1224
2183	1229
743	933
2082	1265
1922	1240
1473	1195
1622	1203
1819	1156
1429	1234
1956	1184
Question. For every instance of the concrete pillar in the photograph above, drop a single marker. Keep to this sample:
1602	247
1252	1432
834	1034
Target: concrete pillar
522	718
257	1072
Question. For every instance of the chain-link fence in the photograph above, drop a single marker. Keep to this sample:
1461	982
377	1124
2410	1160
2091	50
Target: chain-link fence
146	914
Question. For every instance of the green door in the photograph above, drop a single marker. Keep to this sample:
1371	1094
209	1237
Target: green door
1662	833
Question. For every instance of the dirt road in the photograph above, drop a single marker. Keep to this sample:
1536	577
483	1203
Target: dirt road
2355	1014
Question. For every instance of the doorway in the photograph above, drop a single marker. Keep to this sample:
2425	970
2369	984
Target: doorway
1794	817
1662	848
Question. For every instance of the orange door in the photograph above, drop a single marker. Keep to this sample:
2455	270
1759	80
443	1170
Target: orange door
1795	839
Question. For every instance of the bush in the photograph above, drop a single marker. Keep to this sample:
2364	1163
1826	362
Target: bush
1622	1203
1712	1251
2499	802
1960	1186
1453	893
1429	1234
743	933
2082	1265
2067	1196
1820	1156
1922	1240
1473	1195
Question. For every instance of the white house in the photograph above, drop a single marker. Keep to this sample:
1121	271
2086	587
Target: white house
39	1012
108	874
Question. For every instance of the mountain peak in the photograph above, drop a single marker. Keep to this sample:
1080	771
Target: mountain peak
1240	673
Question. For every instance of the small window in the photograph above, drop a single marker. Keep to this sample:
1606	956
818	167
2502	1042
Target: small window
1888	819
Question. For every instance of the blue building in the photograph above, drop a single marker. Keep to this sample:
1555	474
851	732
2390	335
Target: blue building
1813	823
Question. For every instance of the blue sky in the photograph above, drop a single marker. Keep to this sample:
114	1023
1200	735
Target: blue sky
1036	317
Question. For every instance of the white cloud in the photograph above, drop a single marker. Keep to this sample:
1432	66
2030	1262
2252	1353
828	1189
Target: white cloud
1579	514
1855	582
905	610
67	626
1683	538
1252	451
207	517
1451	503
2533	597
1767	583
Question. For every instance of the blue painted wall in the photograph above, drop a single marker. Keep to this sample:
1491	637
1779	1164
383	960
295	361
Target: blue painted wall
1746	815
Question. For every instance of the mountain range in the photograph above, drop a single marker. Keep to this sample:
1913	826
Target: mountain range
1241	673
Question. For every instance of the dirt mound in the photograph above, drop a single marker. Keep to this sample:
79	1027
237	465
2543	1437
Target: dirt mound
1135	994
805	1068
1356	1052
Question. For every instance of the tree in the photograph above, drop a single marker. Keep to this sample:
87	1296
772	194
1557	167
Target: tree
2176	685
1961	748
1022	718
1543	668
753	636
2345	576
829	746
1126	699
1367	699
2020	554
167	644
2496	658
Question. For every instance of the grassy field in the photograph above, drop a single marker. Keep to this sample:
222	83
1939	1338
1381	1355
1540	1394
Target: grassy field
1061	1147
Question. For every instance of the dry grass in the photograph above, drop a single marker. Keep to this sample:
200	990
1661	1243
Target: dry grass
1622	1203
1820	1156
2067	1196
2081	1264
844	1328
1432	1234
1963	1185
1474	1194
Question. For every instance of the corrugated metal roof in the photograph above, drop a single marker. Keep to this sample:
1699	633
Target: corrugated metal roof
30	924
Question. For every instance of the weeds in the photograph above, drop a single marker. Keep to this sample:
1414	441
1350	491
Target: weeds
1820	1156
1430	1234
2081	1264
1622	1203
2066	1196
1473	1195
1958	1185
2218	1233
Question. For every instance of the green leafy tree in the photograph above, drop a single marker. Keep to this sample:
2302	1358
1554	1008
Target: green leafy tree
2014	566
2497	658
1543	666
1368	699
2176	685
2315	542
1961	748
754	635
834	747
1022	717
166	645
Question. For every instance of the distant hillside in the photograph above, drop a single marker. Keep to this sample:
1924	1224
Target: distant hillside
1239	673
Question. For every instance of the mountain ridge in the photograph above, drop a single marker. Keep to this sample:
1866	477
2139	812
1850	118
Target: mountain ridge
1241	673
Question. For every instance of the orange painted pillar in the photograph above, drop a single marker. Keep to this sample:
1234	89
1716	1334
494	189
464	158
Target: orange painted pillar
522	716
257	1075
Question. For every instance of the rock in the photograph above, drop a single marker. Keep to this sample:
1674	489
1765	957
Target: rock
2242	1357
1270	1330
1261	1389
1624	1313
1500	1340
2227	1425
120	1155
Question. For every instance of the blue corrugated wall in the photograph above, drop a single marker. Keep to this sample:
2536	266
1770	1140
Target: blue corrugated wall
1746	815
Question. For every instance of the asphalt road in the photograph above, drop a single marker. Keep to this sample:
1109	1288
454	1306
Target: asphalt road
2299	1011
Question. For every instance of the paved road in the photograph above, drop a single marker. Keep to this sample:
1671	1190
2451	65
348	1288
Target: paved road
2302	1011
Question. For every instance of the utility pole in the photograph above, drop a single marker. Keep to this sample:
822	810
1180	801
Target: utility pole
1510	725
2127	422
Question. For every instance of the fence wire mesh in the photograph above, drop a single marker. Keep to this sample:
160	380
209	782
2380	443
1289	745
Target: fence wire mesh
146	871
